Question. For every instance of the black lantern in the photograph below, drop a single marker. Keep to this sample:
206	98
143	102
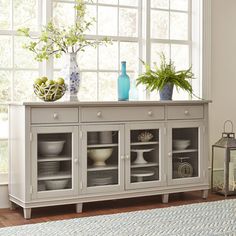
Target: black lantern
224	163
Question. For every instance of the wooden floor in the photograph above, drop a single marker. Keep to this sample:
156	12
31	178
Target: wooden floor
11	218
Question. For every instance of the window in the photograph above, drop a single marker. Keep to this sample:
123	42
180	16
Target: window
138	29
17	66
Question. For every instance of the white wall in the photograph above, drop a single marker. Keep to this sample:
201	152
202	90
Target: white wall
223	66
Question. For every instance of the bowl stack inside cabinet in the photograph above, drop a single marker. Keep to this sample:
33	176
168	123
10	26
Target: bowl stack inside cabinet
54	161
102	158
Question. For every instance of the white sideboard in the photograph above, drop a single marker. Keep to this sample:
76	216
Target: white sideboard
150	147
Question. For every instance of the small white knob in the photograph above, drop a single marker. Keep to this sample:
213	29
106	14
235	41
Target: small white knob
122	157
55	116
186	112
170	154
150	113
99	114
127	157
76	160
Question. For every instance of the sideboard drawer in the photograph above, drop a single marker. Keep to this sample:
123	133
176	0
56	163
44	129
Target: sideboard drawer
96	114
54	115
184	112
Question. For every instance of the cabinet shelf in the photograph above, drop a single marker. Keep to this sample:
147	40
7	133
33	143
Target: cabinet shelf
102	168
150	164
59	175
58	158
184	151
102	145
143	143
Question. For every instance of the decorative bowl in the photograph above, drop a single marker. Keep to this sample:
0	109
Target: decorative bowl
56	184
99	156
145	136
181	144
49	93
50	148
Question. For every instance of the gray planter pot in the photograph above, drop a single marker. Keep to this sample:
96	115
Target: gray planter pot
166	92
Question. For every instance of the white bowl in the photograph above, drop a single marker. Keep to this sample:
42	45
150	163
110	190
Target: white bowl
99	156
180	144
50	148
56	184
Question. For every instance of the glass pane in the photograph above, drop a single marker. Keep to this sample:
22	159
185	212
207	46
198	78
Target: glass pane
87	60
5	86
180	56
157	49
164	4
179	26
23	58
128	2
5	16
128	23
129	53
4	157
110	2
25	14
185	153
159	24
103	158
6	52
144	155
108	57
54	161
23	85
3	122
88	89
108	86
179	5
107	21
63	14
91	13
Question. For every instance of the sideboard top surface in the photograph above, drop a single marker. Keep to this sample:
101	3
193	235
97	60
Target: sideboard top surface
110	103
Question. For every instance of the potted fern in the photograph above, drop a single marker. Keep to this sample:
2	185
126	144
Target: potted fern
165	77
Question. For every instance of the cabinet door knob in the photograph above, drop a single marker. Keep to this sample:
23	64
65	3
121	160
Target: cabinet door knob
55	115
170	154
127	157
99	114
122	157
150	113
186	112
76	161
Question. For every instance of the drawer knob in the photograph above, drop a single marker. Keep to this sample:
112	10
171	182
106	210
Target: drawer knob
55	116
150	113
186	112
99	114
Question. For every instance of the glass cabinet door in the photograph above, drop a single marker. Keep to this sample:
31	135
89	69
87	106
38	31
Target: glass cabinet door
144	155
185	150
103	147
55	159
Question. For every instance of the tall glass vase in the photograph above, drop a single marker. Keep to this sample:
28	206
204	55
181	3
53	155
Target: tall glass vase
72	76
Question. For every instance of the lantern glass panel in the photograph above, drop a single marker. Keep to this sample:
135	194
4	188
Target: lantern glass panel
218	169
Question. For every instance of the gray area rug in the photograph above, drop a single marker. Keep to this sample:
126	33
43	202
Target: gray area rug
210	218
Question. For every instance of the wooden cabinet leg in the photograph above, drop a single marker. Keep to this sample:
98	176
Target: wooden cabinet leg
205	194
12	205
79	207
27	213
165	198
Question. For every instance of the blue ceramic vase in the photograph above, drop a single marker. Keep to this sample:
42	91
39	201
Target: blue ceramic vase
123	84
166	92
